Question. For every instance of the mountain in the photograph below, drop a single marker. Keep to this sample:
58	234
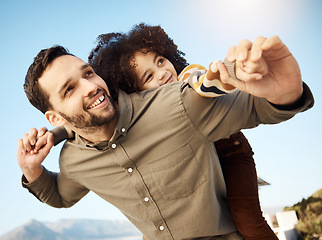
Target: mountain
74	229
309	212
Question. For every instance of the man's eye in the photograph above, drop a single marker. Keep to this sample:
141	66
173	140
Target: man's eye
69	89
89	73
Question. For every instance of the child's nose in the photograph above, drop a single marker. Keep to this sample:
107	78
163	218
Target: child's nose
161	74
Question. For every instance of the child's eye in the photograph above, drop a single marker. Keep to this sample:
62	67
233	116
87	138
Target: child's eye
160	61
149	77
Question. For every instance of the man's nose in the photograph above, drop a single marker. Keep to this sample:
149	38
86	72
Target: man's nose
89	88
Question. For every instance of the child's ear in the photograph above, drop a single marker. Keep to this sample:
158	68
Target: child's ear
55	118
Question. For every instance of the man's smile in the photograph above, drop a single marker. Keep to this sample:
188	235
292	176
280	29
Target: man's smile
98	102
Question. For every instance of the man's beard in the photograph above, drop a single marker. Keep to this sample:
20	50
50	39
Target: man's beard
90	122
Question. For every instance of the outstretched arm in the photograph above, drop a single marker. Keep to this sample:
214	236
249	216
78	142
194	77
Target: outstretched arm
212	82
206	83
52	188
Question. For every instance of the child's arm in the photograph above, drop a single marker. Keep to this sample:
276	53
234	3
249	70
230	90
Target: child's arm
61	134
208	83
211	83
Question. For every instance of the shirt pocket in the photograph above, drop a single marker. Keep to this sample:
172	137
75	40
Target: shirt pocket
177	174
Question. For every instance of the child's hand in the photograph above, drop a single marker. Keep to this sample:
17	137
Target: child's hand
282	85
214	73
251	69
35	140
249	64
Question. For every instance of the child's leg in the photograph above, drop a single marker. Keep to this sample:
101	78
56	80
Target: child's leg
236	158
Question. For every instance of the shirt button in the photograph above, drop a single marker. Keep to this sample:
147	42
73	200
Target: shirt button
146	199
130	170
236	142
113	145
161	228
123	130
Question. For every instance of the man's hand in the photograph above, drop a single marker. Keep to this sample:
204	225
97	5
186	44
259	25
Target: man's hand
32	150
281	81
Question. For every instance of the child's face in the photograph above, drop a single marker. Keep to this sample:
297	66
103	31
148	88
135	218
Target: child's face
153	70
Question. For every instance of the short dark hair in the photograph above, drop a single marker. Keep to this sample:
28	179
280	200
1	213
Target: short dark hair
37	96
111	59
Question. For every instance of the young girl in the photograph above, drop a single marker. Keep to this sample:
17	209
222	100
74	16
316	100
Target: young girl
147	58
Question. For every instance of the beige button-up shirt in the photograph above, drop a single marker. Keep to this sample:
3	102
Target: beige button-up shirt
160	167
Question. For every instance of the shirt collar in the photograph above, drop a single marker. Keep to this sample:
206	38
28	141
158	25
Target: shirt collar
125	113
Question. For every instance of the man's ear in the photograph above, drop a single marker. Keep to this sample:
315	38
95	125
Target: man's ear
55	118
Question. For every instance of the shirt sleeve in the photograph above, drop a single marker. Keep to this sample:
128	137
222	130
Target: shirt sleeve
55	190
207	83
217	118
61	134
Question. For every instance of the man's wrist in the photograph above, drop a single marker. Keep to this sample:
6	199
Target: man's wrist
287	100
32	175
289	104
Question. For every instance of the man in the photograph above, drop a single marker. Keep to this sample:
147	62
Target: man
151	154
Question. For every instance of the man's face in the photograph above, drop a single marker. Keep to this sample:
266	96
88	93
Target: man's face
77	94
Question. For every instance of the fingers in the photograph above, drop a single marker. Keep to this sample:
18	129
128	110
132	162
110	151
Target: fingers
251	51
20	148
33	141
248	57
256	50
231	54
42	131
240	52
225	77
259	66
250	66
224	74
272	42
43	140
50	142
20	152
33	136
26	145
247	77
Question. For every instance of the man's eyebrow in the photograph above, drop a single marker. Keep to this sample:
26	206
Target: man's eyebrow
84	66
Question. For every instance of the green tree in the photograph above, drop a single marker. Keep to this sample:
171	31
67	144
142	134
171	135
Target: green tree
309	212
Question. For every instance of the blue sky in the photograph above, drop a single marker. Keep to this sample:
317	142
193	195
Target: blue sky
287	155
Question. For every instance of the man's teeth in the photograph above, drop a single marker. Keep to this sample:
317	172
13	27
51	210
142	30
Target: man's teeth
98	101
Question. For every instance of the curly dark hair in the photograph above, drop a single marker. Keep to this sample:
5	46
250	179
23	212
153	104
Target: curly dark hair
37	96
112	57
